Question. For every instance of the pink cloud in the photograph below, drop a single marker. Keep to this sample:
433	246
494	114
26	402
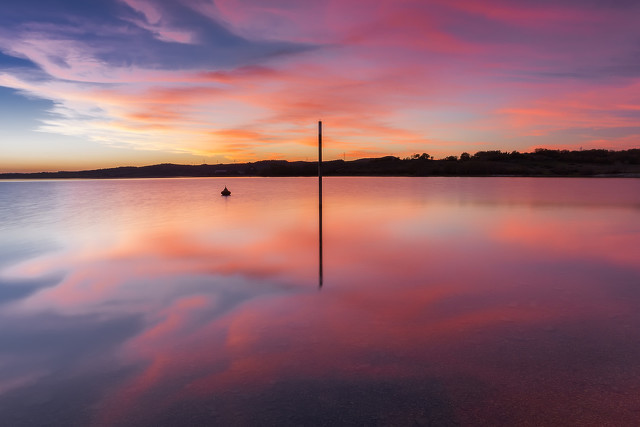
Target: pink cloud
155	22
577	107
387	78
528	15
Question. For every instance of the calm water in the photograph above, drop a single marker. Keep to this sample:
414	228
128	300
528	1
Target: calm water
446	301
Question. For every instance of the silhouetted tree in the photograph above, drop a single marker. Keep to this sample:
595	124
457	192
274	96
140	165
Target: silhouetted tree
493	155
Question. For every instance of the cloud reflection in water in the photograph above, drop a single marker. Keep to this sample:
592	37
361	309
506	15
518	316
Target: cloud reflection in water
446	301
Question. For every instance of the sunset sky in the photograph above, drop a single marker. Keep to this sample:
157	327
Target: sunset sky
103	83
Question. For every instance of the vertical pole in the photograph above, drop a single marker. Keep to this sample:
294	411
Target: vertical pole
320	159
320	203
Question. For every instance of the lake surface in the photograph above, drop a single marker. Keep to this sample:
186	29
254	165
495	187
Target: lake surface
445	301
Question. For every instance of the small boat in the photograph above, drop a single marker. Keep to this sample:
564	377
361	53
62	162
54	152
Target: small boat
225	192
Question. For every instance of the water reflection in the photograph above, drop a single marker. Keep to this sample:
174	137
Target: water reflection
320	249
451	302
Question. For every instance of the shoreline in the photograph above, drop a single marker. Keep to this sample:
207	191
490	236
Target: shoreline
540	163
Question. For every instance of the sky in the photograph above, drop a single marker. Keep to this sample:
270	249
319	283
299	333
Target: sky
105	83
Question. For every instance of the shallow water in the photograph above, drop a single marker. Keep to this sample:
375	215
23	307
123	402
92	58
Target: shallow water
445	301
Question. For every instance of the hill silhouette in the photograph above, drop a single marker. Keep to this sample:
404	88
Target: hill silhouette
541	162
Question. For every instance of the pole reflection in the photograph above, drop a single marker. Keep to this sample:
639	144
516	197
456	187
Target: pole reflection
320	272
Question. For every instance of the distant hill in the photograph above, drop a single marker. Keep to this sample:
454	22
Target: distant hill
541	162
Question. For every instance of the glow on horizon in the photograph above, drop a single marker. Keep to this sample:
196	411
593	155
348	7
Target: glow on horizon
134	82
